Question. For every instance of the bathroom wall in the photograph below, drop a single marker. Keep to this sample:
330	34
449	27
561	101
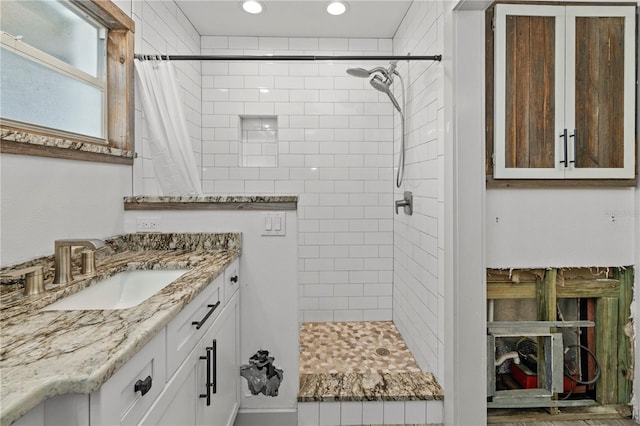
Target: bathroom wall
418	290
162	28
45	199
334	150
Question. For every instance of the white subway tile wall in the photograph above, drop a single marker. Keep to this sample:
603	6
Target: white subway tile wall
334	149
418	293
162	28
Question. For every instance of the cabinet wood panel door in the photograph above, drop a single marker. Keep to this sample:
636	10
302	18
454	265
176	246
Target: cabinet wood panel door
564	92
600	91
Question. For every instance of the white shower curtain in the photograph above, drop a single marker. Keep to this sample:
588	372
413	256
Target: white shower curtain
171	149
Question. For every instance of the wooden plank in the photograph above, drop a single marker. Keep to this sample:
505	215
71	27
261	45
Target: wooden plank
489	89
599	101
120	101
607	349
547	311
625	359
594	412
511	93
585	288
561	183
108	13
582	288
505	290
542	86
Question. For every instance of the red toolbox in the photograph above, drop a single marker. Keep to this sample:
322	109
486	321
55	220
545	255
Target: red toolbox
529	380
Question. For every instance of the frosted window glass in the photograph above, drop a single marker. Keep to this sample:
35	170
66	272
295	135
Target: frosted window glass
37	94
54	28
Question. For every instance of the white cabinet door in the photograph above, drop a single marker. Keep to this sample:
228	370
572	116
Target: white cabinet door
177	403
224	369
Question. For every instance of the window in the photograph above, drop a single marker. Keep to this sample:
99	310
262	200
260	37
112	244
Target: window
53	67
66	74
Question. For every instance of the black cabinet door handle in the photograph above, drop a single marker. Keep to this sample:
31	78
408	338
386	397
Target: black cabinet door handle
143	385
208	380
214	382
234	279
200	323
566	160
575	147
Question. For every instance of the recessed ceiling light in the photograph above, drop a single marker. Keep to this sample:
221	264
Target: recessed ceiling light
336	8
252	6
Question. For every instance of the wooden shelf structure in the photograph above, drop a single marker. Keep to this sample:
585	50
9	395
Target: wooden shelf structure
612	289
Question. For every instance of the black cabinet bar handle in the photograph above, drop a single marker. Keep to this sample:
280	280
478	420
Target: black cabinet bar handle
208	381
214	384
565	161
143	385
575	147
234	279
200	323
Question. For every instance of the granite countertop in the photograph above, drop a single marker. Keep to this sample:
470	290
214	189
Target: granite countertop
47	353
10	135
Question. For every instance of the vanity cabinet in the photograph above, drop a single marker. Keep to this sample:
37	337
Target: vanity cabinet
564	92
205	390
188	374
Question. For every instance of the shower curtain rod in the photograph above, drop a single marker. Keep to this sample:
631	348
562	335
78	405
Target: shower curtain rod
285	58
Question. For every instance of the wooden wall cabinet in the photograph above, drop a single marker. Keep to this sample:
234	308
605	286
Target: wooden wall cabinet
564	82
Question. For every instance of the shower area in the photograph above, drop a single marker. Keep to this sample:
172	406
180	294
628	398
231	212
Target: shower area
349	138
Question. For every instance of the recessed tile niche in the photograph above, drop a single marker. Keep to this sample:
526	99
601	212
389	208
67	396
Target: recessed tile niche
259	141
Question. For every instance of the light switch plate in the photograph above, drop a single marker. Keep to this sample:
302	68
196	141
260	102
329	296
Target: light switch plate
273	224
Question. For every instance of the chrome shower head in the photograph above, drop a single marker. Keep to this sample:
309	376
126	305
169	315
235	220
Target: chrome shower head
363	73
358	72
384	86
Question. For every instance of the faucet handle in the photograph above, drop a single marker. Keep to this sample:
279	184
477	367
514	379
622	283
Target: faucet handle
74	242
33	278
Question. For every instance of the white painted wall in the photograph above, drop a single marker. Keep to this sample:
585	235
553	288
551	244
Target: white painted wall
532	228
44	199
418	279
335	150
269	290
465	300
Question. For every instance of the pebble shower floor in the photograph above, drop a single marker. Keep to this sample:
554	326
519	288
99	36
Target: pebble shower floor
354	347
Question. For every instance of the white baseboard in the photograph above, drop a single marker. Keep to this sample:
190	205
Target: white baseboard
255	417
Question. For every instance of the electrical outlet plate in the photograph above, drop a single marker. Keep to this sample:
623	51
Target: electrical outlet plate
148	224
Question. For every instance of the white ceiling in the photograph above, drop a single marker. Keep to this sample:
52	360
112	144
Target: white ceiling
306	18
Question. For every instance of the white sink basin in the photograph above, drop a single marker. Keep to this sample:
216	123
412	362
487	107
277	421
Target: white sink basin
120	291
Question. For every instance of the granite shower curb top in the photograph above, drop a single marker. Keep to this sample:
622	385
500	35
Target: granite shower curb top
406	386
48	353
212	202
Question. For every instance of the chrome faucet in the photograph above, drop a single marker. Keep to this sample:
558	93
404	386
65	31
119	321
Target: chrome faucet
62	259
406	203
